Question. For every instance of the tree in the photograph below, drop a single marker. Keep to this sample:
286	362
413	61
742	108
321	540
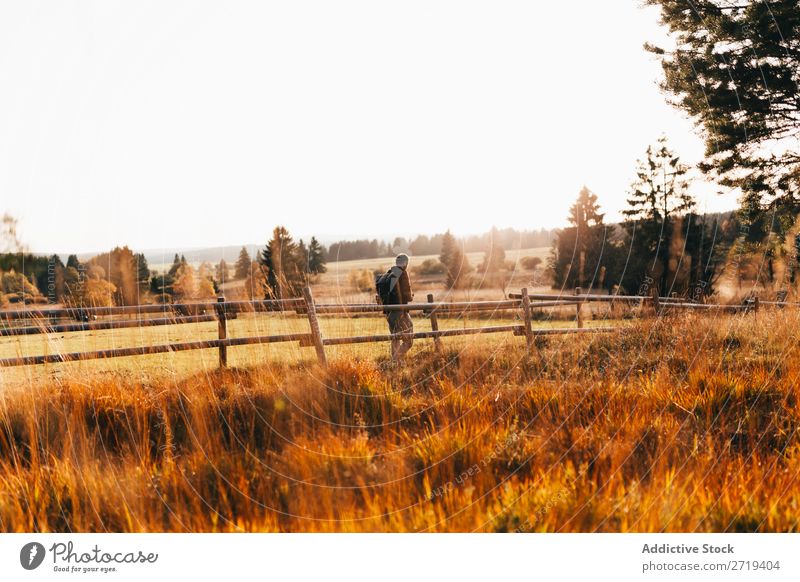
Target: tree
98	293
16	287
205	287
495	258
176	264
222	271
285	272
399	245
242	266
9	240
255	284
584	215
121	270
184	285
582	254
74	280
735	69
316	257
454	261
142	275
302	254
72	261
658	199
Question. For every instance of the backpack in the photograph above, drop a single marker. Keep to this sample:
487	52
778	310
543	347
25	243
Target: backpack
387	291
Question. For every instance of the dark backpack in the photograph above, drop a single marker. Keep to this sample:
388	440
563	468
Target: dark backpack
387	293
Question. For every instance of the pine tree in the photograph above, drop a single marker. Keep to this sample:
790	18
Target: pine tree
734	70
454	261
658	198
242	267
316	257
142	275
585	216
302	256
176	264
285	273
72	261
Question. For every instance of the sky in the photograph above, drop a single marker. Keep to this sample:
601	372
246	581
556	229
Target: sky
193	124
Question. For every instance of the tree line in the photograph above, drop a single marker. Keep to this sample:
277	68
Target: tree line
662	245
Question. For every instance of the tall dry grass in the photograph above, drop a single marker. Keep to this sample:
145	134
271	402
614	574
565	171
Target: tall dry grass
683	424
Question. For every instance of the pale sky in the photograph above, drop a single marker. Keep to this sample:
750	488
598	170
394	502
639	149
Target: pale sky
189	124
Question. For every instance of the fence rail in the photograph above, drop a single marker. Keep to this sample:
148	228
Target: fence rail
45	321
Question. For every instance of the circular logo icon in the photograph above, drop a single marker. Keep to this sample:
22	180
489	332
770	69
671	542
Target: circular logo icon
31	555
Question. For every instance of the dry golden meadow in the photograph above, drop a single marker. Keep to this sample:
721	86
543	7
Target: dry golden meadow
685	423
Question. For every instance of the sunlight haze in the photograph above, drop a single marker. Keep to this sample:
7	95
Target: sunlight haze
164	124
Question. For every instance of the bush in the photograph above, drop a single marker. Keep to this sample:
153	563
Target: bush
430	267
361	280
530	263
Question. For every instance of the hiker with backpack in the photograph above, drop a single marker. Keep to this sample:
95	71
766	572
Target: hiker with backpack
394	288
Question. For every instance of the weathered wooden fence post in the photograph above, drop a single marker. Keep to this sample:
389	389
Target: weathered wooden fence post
313	322
526	318
578	310
656	301
222	329
437	342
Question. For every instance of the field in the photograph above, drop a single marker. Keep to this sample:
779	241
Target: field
335	284
180	364
682	423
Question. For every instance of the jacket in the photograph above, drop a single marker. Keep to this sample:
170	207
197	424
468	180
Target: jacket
403	282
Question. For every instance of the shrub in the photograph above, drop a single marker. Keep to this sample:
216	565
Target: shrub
530	263
361	280
430	267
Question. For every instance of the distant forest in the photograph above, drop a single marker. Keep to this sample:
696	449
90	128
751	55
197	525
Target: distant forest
507	238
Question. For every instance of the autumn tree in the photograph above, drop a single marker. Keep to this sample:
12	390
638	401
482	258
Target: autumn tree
222	272
185	284
256	285
121	270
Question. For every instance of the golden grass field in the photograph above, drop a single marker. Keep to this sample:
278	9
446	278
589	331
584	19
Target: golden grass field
685	423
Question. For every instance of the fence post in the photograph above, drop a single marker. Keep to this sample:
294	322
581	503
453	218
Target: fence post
435	326
756	303
578	310
656	301
526	315
313	322
222	331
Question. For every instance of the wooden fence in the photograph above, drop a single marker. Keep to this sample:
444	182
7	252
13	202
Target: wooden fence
46	321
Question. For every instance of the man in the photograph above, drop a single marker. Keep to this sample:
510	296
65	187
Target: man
398	292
